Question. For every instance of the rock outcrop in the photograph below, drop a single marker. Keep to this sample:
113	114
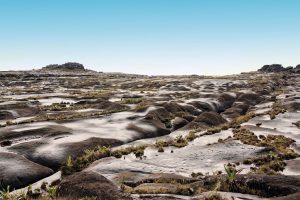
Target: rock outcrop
89	184
272	68
279	68
205	120
66	67
17	171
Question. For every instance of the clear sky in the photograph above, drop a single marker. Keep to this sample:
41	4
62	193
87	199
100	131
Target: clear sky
150	36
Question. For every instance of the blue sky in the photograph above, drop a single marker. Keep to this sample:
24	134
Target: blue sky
150	36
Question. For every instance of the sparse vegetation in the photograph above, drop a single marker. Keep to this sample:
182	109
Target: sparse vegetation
277	108
90	155
279	151
131	101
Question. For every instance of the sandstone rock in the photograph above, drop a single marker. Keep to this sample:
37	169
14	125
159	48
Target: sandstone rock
277	187
57	156
236	110
249	98
176	108
205	120
5	115
16	171
203	106
226	100
210	119
89	184
179	122
148	128
49	131
292	106
66	66
272	68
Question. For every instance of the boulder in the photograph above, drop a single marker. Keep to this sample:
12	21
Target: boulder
148	128
178	122
210	119
203	106
174	108
160	114
205	120
249	98
292	106
226	100
89	184
236	110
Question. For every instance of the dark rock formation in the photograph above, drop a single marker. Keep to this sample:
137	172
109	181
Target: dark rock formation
54	160
292	106
236	110
176	108
204	106
18	109
226	100
175	88
158	177
67	66
49	131
178	123
102	104
272	68
277	187
89	184
205	120
297	69
279	68
210	119
159	121
249	98
17	171
5	115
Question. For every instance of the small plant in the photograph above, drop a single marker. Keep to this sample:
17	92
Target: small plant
104	150
161	149
131	101
231	172
5	193
191	136
52	191
67	168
